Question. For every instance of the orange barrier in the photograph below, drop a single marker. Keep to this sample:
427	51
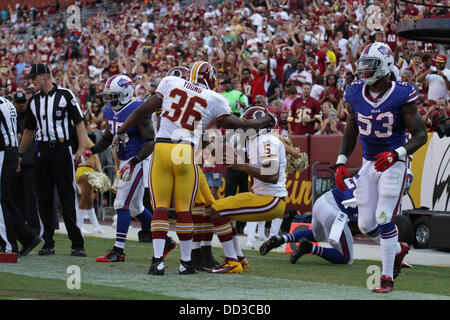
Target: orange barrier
297	226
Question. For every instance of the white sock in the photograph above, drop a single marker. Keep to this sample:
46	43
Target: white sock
251	230
262	229
80	218
237	247
275	226
92	217
158	247
186	248
196	245
119	244
205	243
388	253
228	249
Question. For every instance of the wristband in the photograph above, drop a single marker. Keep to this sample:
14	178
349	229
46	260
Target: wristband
401	152
134	161
342	159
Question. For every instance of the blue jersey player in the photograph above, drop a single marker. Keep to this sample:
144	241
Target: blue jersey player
324	213
380	111
117	94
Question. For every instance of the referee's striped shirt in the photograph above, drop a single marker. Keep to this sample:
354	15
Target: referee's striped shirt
52	114
8	125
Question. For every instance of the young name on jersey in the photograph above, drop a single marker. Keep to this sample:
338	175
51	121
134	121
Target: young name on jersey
115	121
380	120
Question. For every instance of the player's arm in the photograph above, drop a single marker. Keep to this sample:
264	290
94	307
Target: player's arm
264	174
233	122
101	144
150	105
148	134
416	126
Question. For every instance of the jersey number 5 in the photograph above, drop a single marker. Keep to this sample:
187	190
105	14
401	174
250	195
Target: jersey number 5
386	119
184	109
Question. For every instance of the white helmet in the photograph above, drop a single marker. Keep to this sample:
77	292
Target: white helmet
118	91
376	61
408	182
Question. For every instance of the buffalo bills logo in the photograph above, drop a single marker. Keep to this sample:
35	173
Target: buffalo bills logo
385	51
123	83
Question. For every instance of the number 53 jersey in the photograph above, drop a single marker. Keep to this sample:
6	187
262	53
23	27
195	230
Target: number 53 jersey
185	106
380	120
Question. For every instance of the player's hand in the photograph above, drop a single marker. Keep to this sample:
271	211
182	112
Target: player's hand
126	172
385	160
119	139
341	173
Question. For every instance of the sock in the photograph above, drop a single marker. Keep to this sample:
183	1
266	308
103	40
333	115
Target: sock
80	218
297	235
275	226
330	254
197	220
185	230
237	247
160	227
123	223
375	234
261	229
118	250
251	230
207	230
145	217
224	232
389	247
228	249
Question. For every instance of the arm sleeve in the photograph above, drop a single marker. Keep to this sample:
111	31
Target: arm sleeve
30	119
73	107
411	94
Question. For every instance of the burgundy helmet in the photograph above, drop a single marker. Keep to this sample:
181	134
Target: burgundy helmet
203	73
178	71
254	113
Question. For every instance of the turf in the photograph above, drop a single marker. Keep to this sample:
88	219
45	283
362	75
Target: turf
269	277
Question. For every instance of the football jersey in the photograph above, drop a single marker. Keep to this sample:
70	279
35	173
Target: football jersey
115	120
380	121
261	150
185	106
347	194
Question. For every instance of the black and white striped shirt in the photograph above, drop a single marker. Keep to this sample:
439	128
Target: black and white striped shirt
8	125
52	114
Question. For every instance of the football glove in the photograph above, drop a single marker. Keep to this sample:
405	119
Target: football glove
127	170
85	155
341	173
385	160
118	140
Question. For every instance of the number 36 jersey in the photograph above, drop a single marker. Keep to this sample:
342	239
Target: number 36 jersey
379	120
185	106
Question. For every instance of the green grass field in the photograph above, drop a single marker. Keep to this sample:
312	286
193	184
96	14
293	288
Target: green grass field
269	277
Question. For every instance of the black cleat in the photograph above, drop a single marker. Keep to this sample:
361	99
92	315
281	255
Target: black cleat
27	249
78	252
46	251
196	259
187	267
145	236
169	246
157	268
273	242
207	259
304	247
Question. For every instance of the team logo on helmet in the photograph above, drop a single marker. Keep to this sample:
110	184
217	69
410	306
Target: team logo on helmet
385	51
124	83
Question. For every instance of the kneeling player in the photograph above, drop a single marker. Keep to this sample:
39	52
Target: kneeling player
267	167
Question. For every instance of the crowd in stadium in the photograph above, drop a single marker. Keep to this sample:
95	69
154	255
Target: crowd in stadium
315	42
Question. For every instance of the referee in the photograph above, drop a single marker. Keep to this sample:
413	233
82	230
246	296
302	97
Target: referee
12	225
50	115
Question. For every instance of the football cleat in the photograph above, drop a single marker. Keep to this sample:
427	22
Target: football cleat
273	242
157	268
229	266
399	258
187	267
112	256
304	247
244	262
169	246
386	285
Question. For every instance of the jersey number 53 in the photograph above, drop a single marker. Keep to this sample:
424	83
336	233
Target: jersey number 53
382	126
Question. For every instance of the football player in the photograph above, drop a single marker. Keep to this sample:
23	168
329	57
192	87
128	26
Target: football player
380	110
118	94
185	105
266	168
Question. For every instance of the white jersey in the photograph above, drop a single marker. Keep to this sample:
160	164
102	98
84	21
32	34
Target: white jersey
185	106
261	150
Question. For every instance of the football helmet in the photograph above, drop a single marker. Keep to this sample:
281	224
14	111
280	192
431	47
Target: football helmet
179	71
203	73
408	182
254	113
375	62
118	91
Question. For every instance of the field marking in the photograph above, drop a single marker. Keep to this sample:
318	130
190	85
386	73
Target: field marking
202	286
